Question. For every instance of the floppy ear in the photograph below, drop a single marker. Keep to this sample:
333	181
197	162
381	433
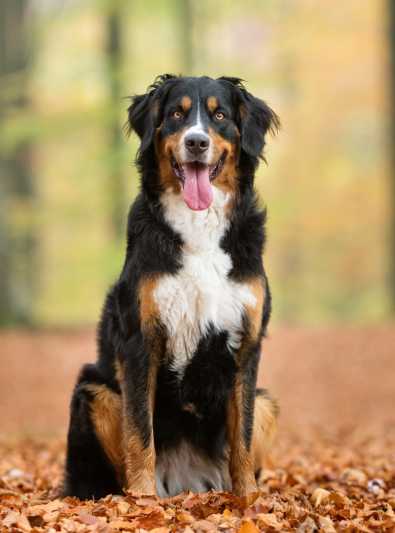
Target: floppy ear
144	113
143	117
255	118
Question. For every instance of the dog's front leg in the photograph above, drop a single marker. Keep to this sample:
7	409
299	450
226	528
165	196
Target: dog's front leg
139	371
240	416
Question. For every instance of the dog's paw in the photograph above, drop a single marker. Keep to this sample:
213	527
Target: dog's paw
142	484
244	488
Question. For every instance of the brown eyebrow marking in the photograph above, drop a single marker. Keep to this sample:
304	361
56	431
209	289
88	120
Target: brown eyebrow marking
186	103
212	103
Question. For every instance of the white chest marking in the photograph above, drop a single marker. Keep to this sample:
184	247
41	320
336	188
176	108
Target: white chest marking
200	294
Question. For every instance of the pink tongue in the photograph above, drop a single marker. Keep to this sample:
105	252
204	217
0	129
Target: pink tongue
197	191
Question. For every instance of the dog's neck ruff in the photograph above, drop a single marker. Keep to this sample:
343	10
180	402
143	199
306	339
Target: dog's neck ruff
200	295
200	231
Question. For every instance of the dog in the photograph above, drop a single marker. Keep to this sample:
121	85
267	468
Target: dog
171	404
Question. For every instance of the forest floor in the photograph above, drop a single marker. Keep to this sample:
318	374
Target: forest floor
331	469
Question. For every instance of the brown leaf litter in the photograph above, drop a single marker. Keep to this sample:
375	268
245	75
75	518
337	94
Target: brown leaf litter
317	485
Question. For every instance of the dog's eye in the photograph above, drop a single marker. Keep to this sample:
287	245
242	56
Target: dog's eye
177	115
219	116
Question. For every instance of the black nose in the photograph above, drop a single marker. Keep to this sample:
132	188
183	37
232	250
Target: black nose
197	143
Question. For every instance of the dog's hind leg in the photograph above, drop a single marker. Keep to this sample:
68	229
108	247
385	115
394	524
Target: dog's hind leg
94	444
264	429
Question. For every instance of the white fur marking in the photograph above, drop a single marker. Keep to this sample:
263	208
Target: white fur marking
184	469
196	128
200	294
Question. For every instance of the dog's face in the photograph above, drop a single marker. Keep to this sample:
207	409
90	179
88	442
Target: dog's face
199	127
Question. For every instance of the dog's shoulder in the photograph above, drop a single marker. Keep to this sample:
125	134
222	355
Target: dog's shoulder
153	246
246	236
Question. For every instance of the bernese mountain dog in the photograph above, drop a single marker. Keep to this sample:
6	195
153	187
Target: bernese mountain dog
171	404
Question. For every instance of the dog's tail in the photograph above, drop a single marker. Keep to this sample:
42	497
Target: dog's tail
265	428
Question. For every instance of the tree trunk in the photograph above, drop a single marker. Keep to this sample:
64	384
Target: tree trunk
391	15
114	58
186	32
17	238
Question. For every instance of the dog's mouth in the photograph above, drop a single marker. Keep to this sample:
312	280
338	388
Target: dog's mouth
196	178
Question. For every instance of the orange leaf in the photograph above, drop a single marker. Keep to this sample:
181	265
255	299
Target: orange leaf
248	527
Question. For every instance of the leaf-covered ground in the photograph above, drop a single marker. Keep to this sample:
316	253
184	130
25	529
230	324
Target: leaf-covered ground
322	485
332	468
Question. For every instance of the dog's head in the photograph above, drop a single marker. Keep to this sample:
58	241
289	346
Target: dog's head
202	130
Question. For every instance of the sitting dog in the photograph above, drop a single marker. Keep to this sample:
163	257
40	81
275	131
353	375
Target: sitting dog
171	404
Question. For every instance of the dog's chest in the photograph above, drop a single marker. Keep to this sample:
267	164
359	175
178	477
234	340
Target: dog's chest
200	296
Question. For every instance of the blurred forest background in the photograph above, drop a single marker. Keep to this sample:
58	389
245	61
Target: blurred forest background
67	174
67	179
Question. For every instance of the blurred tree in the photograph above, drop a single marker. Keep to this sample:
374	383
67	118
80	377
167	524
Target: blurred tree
17	235
186	29
391	9
114	58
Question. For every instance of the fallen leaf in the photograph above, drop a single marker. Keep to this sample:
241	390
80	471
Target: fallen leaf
308	526
248	527
123	524
87	518
326	524
227	513
49	507
13	518
338	499
154	519
184	517
123	507
268	520
354	475
319	496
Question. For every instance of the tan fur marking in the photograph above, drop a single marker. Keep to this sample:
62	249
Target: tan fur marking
265	427
148	309
165	148
186	103
170	146
227	179
254	313
241	466
106	413
140	460
212	103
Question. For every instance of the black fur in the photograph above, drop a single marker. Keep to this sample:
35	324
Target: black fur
153	247
88	471
214	369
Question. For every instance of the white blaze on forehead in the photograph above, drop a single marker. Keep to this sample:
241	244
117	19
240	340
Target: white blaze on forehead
196	128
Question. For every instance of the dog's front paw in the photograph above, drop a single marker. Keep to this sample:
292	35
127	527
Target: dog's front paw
146	489
141	484
244	487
